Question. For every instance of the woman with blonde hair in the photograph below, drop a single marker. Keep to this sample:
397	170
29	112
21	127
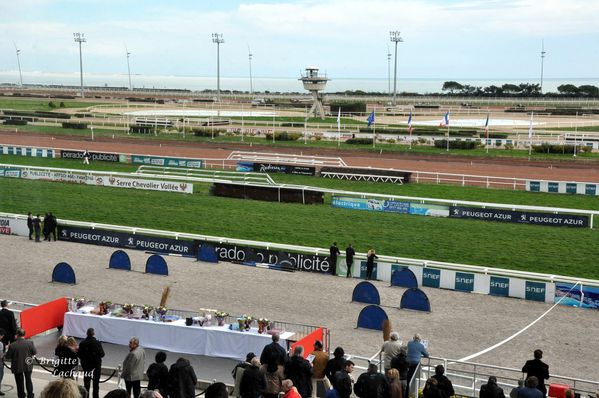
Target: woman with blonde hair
395	388
370	263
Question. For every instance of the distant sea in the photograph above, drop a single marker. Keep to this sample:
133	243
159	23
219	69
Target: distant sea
261	84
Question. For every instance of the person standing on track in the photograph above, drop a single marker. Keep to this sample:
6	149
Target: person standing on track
349	259
333	253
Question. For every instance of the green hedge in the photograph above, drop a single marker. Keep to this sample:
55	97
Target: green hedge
74	125
283	136
359	141
348	107
55	115
498	135
456	144
549	148
135	129
15	122
207	132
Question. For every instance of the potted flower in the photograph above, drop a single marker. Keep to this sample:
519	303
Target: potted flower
161	311
146	310
80	302
248	322
220	317
128	309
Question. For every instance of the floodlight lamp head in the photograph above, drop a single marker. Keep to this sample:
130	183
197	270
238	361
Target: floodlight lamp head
395	36
217	38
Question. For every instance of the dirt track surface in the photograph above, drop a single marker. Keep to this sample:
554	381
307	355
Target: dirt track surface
460	324
520	168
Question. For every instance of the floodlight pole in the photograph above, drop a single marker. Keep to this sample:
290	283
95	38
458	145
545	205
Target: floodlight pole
575	133
19	64
388	71
128	69
250	61
543	52
80	38
217	38
395	38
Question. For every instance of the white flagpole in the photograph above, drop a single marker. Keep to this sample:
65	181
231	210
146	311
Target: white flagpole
487	132
410	127
373	128
530	135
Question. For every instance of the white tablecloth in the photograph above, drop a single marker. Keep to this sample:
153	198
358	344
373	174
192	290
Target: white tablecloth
214	341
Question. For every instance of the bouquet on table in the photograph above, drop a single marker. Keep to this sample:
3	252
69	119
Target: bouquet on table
263	325
220	317
161	311
146	310
80	302
128	309
245	322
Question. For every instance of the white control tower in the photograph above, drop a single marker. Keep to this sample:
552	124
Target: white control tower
315	83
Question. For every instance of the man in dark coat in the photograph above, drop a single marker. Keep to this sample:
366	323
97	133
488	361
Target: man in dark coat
52	224
539	369
491	389
443	383
91	353
30	225
342	381
371	384
182	380
273	353
299	371
252	381
37	227
46	227
20	353
349	259
8	323
333	253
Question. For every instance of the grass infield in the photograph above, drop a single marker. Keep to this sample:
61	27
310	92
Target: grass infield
551	250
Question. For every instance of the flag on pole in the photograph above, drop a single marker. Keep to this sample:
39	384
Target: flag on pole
410	123
530	128
445	120
339	119
370	119
487	126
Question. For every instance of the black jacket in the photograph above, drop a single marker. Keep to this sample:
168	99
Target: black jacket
371	385
252	383
400	362
444	385
182	380
333	366
90	353
67	361
158	378
299	370
538	369
491	390
273	353
342	383
9	324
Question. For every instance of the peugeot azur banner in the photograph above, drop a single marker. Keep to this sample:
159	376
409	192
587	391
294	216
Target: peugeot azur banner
522	217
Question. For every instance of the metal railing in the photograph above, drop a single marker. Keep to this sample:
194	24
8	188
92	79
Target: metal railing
286	158
204	175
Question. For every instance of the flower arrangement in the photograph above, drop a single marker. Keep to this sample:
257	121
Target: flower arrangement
161	310
221	314
128	308
80	302
263	325
147	309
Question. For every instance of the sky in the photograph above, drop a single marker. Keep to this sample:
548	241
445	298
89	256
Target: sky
443	39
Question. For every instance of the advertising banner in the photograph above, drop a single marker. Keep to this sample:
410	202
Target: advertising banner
10	172
27	151
125	240
94	156
138	183
298	261
431	277
580	188
363	270
535	291
522	217
166	161
13	226
284	168
57	176
389	206
464	281
579	296
499	286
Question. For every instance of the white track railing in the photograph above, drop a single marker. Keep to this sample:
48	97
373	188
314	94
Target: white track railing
321	251
204	174
286	158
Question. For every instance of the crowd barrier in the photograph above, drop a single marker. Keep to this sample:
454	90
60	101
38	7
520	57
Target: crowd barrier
43	317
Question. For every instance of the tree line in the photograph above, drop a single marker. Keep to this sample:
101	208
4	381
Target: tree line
518	90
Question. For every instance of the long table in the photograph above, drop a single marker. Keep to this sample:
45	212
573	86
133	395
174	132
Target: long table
213	341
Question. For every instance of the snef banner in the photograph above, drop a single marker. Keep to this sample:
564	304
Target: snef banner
125	240
499	286
284	168
464	281
94	156
577	296
138	183
521	217
431	277
535	291
166	161
298	261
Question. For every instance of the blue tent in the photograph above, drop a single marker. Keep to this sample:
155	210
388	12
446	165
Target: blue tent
372	317
415	299
156	265
63	273
120	260
207	253
404	277
366	292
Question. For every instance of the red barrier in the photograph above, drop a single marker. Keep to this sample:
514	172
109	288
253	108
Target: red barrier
308	341
44	317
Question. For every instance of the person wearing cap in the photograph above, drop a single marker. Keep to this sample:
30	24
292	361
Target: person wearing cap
491	389
539	369
319	364
416	351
